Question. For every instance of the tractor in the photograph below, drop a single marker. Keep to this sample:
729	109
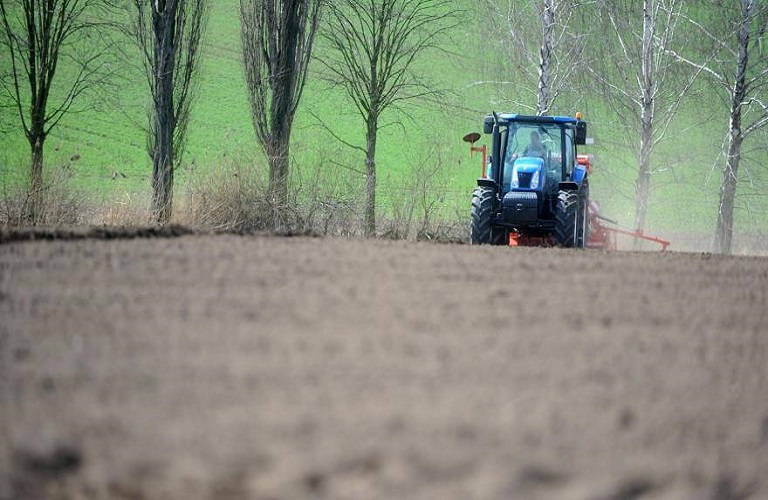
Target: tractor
534	190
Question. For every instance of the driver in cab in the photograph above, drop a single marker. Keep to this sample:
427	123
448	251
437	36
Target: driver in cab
536	147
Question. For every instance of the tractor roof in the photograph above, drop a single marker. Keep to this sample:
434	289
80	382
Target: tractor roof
513	117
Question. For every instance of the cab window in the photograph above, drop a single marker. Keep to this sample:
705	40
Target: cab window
570	159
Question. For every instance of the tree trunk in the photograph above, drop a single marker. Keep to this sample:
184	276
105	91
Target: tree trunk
162	154
282	110
162	169
36	137
35	208
370	176
279	140
278	149
724	228
547	42
643	181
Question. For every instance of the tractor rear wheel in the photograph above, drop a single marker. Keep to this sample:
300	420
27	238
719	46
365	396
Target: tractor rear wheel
582	222
566	215
571	218
482	231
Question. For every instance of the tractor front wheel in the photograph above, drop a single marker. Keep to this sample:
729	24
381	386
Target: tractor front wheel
482	231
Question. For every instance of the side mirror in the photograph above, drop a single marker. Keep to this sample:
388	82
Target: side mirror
488	125
580	137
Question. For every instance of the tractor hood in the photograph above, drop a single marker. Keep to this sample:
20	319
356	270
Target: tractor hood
526	173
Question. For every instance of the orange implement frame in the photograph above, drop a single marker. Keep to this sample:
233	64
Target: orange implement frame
602	236
639	234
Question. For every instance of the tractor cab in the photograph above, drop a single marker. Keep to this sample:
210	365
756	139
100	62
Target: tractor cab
533	157
534	153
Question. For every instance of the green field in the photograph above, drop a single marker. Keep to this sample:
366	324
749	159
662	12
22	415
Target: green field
426	137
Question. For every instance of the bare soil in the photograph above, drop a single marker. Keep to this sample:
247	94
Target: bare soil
255	367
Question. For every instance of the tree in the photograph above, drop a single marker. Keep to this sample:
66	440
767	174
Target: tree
37	35
374	45
637	77
733	57
277	38
544	56
168	33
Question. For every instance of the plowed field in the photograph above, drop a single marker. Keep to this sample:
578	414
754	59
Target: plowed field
255	367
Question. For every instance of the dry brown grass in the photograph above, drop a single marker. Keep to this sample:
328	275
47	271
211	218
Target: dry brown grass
229	199
61	204
324	199
128	210
235	198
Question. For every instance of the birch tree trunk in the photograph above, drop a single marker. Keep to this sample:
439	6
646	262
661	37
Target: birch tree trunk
547	17
724	228
647	101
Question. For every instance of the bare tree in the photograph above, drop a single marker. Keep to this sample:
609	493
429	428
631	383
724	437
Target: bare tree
277	38
543	55
168	33
37	35
638	78
732	55
374	45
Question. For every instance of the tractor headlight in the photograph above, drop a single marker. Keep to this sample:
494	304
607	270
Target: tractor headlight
515	180
520	178
535	179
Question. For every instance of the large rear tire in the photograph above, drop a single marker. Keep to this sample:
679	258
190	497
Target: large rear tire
482	231
582	223
566	215
571	218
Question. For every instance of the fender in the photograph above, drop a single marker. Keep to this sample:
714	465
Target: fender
579	173
488	183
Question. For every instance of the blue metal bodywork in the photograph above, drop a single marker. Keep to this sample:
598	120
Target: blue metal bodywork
579	173
514	117
525	174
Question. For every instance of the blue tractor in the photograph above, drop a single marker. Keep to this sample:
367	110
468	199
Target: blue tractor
535	190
